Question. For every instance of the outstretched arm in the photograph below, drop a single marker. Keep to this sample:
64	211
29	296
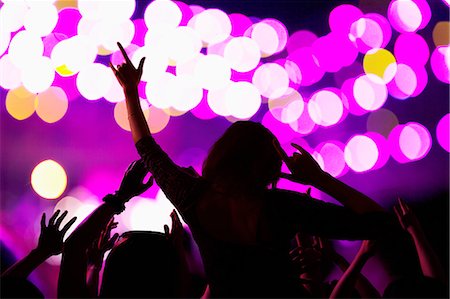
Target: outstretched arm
429	262
50	243
305	170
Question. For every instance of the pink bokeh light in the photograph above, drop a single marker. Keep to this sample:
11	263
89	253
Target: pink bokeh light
239	23
409	142
411	49
332	154
308	65
361	153
404	83
442	132
68	22
440	63
300	39
342	17
326	108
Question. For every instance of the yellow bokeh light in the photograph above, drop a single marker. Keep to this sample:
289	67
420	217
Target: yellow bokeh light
49	179
158	119
121	114
441	34
61	4
64	71
20	103
52	104
380	62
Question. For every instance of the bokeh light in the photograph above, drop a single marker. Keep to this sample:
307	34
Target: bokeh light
308	65
281	31
212	72
217	103
117	10
384	25
304	125
182	44
10	75
213	25
287	108
24	48
52	104
271	79
155	65
440	63
325	107
332	154
342	17
157	119
38	75
41	19
441	33
404	15
242	53
121	114
404	53
68	21
380	62
187	93
404	83
300	39
12	15
370	93
409	142
382	122
242	100
94	81
327	48
49	179
361	153
442	132
239	24
20	103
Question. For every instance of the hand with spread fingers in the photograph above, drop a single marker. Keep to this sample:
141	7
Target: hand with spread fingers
406	217
132	182
104	243
127	75
176	234
51	238
304	169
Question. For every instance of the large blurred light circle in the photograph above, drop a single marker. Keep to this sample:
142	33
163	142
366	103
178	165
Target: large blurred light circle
121	114
49	179
440	63
266	37
94	81
12	15
20	103
330	46
213	25
38	75
68	22
161	93
242	99
216	101
370	93
442	132
155	65
441	34
361	153
300	39
287	108
10	75
404	15
117	10
308	65
342	17
332	154
304	125
404	83
108	32
24	48
52	104
414	141
366	34
271	79
281	31
382	122
380	62
5	39
384	25
157	120
411	49
242	53
188	93
182	44
41	19
325	108
162	13
212	72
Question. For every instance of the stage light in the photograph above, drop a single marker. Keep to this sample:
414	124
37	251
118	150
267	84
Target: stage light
361	153
300	39
38	75
441	34
342	17
271	79
155	65
24	48
212	72
12	15
162	13
20	103
403	49
10	75
52	104
41	19
325	108
440	63
242	53
369	92
307	63
332	155
380	62
382	122
242	100
404	15
121	114
182	44
49	179
366	34
157	120
287	108
94	81
213	25
404	83
442	132
188	93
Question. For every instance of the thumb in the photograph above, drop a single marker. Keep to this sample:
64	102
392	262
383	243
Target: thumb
141	65
166	230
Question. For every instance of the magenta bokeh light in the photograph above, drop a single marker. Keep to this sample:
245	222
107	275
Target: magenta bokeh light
283	132
411	49
68	22
348	91
139	32
361	153
300	39
442	132
369	92
308	65
440	63
407	16
409	142
203	111
332	154
239	23
384	25
383	149
404	83
342	17
326	108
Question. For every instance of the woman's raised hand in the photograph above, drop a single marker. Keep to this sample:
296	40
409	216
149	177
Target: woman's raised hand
127	75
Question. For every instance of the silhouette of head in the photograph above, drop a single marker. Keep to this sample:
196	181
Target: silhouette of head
142	265
19	288
243	157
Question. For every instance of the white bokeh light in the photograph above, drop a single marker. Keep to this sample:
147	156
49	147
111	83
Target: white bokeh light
41	19
10	75
271	79
38	75
213	25
325	108
12	15
156	62
242	99
162	13
242	53
94	81
49	179
212	72
25	47
361	153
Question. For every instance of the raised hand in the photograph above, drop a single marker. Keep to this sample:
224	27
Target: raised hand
304	169
132	182
127	75
176	235
406	217
51	238
368	248
104	243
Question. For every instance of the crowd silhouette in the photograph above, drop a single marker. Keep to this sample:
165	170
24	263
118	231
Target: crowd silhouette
255	239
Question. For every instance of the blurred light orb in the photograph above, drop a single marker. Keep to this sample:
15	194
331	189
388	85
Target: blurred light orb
266	37
287	108
38	75
384	25
327	48
216	101
282	132
422	79
182	44
117	57
188	67
10	75
308	65
332	154
12	15
50	41
155	65
118	10
242	99
24	48
370	93
212	72
242	53
380	62
282	33
213	25
411	49
157	119
5	39
188	93
239	24
52	104
94	81
49	179
382	122
271	79
361	153
41	19
366	34
404	15
440	63
115	93
441	34
109	32
404	83
325	108
20	103
300	39
162	92
304	125
442	132
162	13
414	141
121	114
68	19
342	17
